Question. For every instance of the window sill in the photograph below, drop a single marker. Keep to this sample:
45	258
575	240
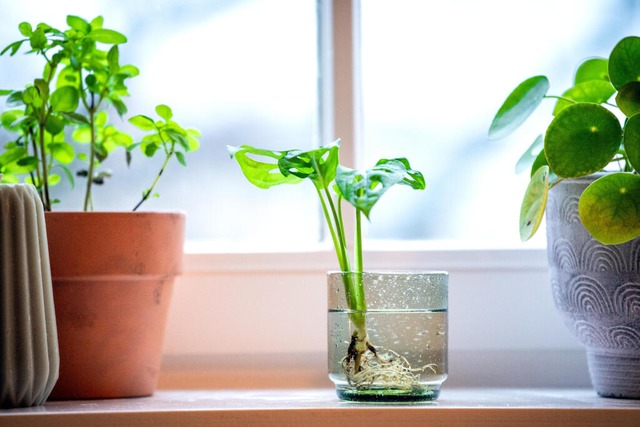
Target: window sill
309	407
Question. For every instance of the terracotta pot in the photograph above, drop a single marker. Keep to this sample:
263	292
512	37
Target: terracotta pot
113	275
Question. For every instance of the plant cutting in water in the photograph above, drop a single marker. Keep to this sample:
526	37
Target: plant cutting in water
589	133
79	82
363	363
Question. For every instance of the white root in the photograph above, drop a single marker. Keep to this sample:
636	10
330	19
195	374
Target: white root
387	369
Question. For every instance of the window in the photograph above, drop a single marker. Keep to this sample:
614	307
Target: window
428	78
242	72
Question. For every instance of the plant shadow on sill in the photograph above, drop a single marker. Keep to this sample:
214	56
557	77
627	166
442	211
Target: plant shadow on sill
467	368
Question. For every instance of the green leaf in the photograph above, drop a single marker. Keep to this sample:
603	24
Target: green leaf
25	29
632	141
318	165
596	91
164	112
260	166
623	62
592	69
54	125
518	106
65	99
181	158
62	152
528	157
76	118
107	36
78	24
610	208
364	189
628	99
142	122
534	203
581	140
38	40
13	47
113	58
97	22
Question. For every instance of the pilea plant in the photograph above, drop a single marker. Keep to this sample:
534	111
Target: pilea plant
334	184
79	82
595	128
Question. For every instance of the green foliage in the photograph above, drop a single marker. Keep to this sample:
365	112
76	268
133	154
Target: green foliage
333	184
81	79
585	136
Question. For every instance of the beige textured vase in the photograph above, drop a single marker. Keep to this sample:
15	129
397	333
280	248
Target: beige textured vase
29	347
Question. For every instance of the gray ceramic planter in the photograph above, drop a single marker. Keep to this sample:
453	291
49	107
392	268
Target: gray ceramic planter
597	290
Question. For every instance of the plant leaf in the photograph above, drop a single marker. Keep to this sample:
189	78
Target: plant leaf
318	165
528	157
164	112
610	208
105	36
581	140
623	62
65	99
628	99
518	106
78	24
632	141
592	69
260	166
364	189
534	203
596	91
142	122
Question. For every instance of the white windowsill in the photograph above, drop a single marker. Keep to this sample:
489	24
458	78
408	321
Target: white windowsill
316	407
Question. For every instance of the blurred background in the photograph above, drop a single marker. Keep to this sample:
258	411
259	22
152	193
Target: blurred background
431	77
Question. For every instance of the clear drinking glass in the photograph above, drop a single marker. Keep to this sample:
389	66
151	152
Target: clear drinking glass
406	326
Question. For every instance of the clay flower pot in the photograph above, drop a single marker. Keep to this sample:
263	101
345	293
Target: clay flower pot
113	275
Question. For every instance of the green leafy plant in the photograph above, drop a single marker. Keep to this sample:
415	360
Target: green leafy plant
334	184
65	109
595	128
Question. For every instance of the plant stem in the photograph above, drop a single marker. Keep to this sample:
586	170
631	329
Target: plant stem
45	179
149	191
92	156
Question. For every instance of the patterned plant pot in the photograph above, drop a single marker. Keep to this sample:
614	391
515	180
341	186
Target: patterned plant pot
597	290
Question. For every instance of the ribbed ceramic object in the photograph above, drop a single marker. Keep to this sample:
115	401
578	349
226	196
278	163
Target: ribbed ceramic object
29	359
597	290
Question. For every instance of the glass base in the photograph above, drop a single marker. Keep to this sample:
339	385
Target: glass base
385	395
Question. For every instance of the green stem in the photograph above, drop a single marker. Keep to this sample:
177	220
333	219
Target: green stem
149	191
46	201
92	159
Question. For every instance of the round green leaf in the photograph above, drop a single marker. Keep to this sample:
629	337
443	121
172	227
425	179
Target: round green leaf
628	99
592	69
623	62
581	140
62	152
632	141
78	23
518	106
534	203
54	125
610	208
596	91
65	99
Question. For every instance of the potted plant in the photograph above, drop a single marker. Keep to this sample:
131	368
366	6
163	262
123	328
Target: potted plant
584	174
112	271
387	330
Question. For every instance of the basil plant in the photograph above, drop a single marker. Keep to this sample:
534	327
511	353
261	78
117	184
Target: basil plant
59	119
595	128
